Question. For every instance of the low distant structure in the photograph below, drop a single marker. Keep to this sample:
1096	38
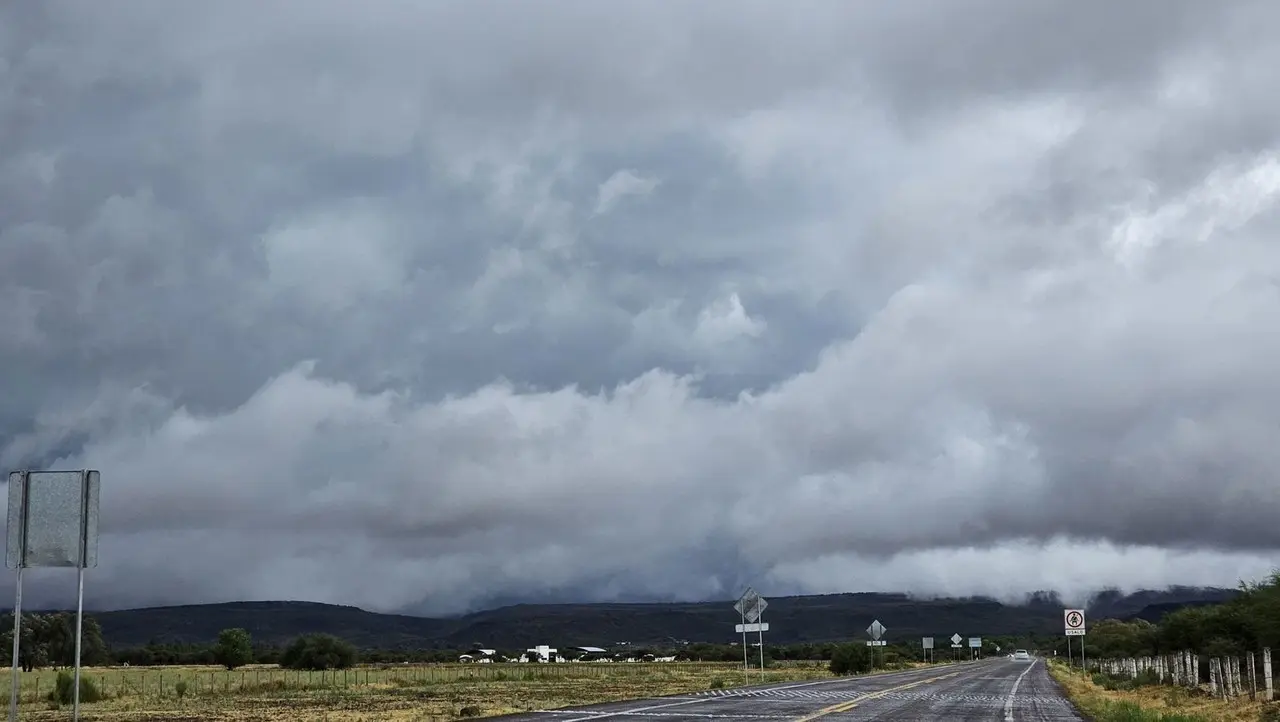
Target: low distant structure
542	653
546	654
591	654
478	656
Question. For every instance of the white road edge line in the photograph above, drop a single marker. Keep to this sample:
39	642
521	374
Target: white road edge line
623	712
1008	703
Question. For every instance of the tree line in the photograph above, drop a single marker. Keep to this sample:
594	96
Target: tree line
1249	622
48	640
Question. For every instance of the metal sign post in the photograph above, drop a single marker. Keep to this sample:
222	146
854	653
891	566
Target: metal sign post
741	607
1073	621
876	630
760	627
53	522
751	607
955	645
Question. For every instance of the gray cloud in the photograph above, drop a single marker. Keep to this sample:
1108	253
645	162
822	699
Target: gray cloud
429	305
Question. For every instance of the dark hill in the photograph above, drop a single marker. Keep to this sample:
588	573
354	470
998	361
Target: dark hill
1111	603
267	622
791	619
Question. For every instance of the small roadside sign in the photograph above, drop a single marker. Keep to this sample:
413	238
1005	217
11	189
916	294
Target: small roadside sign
1073	621
927	642
751	605
876	630
754	627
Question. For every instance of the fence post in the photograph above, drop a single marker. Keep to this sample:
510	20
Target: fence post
1253	676
1267	681
1213	677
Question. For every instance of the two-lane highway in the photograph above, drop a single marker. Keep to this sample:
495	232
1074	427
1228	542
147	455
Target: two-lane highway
999	690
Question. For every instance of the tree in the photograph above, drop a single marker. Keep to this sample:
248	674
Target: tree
318	651
234	648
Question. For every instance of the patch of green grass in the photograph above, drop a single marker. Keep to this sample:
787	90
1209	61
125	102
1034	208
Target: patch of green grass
1132	712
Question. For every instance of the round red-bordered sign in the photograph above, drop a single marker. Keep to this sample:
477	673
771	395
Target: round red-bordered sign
1075	620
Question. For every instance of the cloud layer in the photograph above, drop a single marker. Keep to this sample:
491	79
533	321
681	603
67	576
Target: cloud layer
422	306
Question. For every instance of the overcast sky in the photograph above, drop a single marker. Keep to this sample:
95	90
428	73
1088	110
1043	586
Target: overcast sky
432	305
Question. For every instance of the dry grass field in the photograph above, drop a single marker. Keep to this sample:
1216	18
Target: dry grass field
1157	703
382	694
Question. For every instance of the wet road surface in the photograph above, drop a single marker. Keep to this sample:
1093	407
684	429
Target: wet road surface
1000	690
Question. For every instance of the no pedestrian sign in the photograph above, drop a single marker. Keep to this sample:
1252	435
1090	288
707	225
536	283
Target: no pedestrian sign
1073	621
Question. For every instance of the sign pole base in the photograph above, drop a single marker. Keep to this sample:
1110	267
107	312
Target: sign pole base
761	632
75	705
16	688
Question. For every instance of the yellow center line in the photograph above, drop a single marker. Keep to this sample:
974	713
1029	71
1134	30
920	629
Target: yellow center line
846	706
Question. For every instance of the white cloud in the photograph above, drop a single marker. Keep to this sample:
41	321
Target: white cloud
334	258
620	185
725	320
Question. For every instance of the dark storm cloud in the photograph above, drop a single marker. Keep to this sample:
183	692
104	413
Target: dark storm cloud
430	305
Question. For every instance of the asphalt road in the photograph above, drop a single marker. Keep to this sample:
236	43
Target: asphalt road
999	690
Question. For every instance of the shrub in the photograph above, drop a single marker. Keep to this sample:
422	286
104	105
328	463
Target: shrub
850	659
318	651
64	689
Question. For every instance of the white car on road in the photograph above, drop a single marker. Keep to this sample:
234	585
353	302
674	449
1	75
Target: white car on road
1021	655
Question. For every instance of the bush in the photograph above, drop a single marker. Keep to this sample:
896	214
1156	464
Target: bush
850	659
318	651
1146	678
64	689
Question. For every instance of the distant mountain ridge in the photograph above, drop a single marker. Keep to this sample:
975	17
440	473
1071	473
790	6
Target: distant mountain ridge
813	618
